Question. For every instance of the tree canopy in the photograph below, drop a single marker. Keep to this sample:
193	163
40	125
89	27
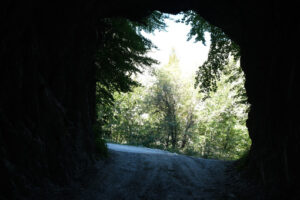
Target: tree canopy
221	48
123	53
171	113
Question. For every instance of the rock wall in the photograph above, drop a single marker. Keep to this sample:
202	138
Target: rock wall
47	85
47	93
269	59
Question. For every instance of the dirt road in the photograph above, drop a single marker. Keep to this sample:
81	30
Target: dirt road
143	173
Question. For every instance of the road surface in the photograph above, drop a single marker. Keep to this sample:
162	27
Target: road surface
150	174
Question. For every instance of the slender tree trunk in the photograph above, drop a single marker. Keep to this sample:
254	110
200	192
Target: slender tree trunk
175	137
184	140
168	138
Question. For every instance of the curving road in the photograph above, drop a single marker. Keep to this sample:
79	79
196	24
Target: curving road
142	173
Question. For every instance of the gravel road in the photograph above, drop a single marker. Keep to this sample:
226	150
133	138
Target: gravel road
142	173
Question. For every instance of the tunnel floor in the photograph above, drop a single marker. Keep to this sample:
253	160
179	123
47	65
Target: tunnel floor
142	173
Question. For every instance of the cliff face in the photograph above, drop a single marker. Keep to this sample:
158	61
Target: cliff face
47	85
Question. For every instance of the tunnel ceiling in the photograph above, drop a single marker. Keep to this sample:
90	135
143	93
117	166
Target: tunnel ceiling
225	15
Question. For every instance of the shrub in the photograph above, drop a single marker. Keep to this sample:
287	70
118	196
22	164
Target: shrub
242	162
101	148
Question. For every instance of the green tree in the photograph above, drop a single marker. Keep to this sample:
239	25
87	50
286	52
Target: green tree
221	48
222	125
171	113
122	54
126	121
166	98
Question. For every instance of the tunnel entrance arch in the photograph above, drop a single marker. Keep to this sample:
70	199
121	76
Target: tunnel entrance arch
273	148
42	85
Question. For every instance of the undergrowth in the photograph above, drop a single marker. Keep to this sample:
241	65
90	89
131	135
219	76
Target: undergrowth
101	148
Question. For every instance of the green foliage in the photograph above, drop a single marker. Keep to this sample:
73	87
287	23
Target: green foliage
224	114
170	114
155	21
101	148
221	48
100	145
123	54
165	99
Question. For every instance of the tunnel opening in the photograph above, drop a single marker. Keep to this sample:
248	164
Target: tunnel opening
168	109
47	104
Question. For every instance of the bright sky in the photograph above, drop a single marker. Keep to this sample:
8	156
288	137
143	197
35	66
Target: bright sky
190	54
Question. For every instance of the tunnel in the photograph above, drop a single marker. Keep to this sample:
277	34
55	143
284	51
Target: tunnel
47	86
